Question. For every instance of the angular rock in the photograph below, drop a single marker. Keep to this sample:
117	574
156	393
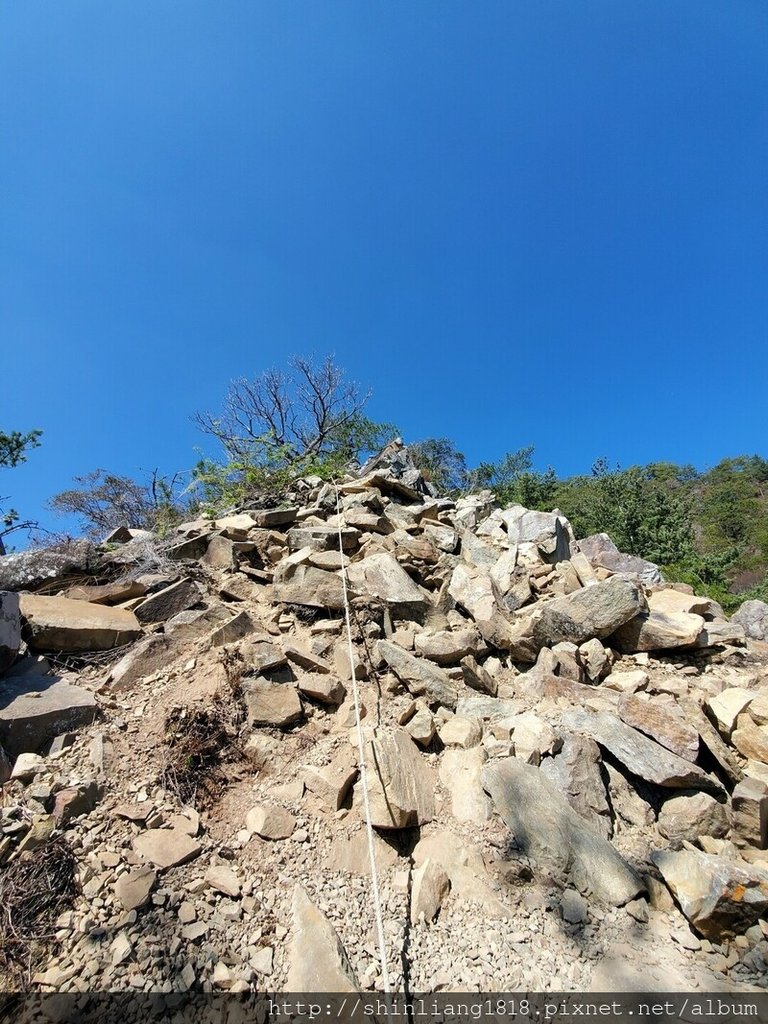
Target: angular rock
326	689
576	772
147	656
270	703
750	740
421	726
270	822
268	518
305	659
419	676
595	659
711	739
399	785
726	707
220	553
557	839
641	755
10	629
663	722
333	781
323	538
460	775
472	589
596	611
601	551
753	617
548	531
26	766
191	625
312	587
461	732
34	708
316	956
108	593
28	570
686	816
447	647
239	626
476	677
749	808
670	601
74	801
166	847
658	631
443	537
262	656
168	602
627	682
430	886
58	624
721	898
223	879
383	577
533	737
133	889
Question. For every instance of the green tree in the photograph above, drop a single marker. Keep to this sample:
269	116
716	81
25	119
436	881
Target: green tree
13	451
514	480
440	462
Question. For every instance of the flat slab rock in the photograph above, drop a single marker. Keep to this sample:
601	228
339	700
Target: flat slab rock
400	785
383	577
34	708
418	675
166	847
318	962
58	624
554	836
639	754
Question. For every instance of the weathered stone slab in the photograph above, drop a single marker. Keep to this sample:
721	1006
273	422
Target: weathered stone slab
639	754
323	538
658	631
58	624
596	611
752	616
108	593
687	816
269	703
400	788
168	602
447	647
35	708
663	722
147	656
27	570
313	587
418	675
316	956
576	773
554	836
601	551
166	847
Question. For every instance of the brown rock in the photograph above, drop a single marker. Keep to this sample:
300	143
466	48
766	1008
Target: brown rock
58	624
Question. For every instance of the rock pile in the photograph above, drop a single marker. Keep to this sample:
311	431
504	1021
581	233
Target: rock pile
556	738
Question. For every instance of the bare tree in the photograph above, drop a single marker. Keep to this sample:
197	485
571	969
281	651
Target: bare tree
305	412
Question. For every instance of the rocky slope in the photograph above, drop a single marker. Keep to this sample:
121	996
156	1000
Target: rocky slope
568	758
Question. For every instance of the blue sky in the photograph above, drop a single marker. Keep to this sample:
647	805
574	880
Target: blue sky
518	222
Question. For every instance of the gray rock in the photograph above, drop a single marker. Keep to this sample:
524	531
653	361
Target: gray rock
554	836
323	538
34	708
318	962
10	629
190	625
721	898
639	754
30	569
270	822
58	624
166	847
269	703
476	677
430	887
169	602
147	656
601	551
753	617
547	530
312	587
400	787
576	772
686	816
663	722
383	577
133	889
418	675
447	647
658	631
460	775
596	611
235	628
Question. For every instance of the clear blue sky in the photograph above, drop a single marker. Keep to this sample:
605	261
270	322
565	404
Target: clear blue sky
519	222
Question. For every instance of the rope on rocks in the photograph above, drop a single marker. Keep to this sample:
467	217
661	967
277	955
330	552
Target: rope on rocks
363	765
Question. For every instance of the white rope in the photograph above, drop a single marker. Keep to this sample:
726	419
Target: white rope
363	765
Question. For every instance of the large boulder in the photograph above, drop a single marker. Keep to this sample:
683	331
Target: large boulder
721	898
554	836
639	754
383	577
688	815
596	611
658	631
10	629
418	675
548	531
576	773
58	624
603	553
28	570
35	707
663	721
753	616
166	603
310	586
400	786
